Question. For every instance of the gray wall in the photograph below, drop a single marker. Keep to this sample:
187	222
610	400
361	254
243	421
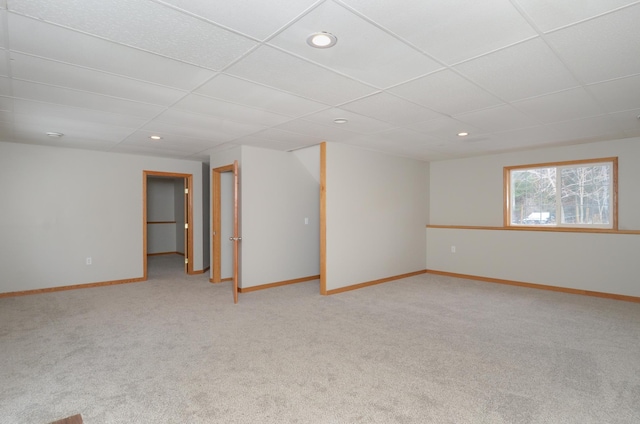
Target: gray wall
376	213
470	192
276	194
61	205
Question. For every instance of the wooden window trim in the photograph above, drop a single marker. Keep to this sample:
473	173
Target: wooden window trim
506	204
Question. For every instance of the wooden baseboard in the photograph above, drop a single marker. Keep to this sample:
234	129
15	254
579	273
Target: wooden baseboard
221	281
373	283
165	253
278	284
200	271
539	286
73	287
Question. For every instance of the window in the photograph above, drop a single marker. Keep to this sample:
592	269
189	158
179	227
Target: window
563	194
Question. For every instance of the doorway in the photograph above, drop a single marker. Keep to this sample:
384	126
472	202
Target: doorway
225	223
167	217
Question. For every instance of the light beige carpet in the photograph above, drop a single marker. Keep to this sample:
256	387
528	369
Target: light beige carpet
427	349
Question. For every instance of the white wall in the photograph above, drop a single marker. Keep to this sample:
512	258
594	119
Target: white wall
470	192
276	194
61	205
376	212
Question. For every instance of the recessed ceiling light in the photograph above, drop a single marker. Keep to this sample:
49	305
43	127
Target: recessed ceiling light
340	121
55	134
155	137
463	134
322	40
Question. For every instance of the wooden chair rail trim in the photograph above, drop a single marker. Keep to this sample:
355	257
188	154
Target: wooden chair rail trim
374	282
543	229
277	284
538	286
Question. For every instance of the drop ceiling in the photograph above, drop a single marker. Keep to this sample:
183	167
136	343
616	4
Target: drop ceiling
408	76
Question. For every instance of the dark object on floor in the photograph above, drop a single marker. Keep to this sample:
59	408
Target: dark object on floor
74	419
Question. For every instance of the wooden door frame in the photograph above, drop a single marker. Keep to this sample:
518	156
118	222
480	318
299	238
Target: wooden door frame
188	178
216	224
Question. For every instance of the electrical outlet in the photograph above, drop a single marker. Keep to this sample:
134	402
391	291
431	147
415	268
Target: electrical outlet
306	221
88	261
453	249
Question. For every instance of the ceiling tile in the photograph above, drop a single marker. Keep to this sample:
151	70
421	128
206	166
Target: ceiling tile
49	41
588	129
4	63
293	138
7	116
6	131
524	70
3	20
389	108
551	14
6	103
277	69
71	128
500	118
563	106
76	135
446	92
445	128
520	139
144	25
63	75
5	86
226	110
401	142
628	121
200	126
256	18
148	151
82	99
602	48
356	123
389	60
55	111
452	30
334	132
173	142
283	144
235	90
618	95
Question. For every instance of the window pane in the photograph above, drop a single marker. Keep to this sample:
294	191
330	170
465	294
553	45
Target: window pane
586	194
533	194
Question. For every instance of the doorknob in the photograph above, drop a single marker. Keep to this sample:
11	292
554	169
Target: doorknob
235	238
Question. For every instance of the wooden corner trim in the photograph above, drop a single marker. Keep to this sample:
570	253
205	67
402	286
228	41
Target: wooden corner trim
277	284
538	286
72	287
374	282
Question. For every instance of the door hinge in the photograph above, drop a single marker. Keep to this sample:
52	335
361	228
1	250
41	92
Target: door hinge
186	226
186	191
186	260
